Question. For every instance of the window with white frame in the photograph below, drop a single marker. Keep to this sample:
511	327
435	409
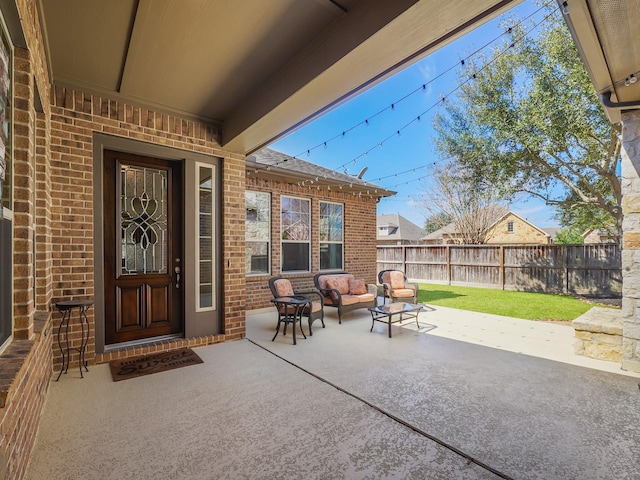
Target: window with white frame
331	236
258	231
510	228
295	225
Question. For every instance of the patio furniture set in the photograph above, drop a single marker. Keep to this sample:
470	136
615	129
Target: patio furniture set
345	292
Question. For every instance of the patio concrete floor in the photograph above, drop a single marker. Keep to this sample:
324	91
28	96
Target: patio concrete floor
466	396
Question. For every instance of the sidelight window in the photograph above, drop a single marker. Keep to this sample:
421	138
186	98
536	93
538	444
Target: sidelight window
205	241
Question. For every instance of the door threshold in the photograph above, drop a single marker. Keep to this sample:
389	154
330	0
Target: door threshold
140	343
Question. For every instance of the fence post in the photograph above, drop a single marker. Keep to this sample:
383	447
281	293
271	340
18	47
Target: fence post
404	259
502	266
565	264
448	259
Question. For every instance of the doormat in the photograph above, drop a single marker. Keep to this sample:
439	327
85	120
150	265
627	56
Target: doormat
154	363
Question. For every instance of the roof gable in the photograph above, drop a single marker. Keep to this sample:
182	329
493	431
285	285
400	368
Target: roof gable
403	229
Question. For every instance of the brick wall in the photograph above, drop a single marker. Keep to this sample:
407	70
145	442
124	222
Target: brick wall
20	415
23	196
53	226
75	116
523	233
359	236
26	364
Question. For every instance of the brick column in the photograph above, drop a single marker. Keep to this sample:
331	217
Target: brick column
631	241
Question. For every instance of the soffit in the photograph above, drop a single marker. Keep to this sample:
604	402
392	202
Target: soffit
607	33
257	68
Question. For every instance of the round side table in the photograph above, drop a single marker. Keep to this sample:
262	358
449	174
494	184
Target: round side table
66	308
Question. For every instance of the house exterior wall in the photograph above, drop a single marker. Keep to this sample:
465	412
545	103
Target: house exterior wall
26	364
523	233
595	236
75	117
630	155
592	237
359	237
53	221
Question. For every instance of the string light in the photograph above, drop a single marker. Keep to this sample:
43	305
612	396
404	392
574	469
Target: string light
629	80
423	87
456	88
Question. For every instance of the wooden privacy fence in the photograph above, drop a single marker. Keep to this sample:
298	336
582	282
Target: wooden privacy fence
590	270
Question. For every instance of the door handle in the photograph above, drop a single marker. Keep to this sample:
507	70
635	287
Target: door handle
177	271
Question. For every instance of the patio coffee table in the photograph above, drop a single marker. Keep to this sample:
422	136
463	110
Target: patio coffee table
385	313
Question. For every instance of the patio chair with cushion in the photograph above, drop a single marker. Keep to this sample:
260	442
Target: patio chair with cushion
281	287
396	288
345	292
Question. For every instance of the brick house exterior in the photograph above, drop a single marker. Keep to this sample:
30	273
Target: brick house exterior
508	229
54	205
285	178
394	229
599	235
54	210
52	180
513	229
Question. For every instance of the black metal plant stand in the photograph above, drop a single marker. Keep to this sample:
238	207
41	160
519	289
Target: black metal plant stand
66	308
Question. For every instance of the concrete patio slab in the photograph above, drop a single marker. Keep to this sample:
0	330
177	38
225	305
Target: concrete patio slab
349	403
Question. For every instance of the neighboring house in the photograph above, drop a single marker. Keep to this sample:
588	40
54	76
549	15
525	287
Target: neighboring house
508	229
513	229
394	229
599	235
446	235
302	219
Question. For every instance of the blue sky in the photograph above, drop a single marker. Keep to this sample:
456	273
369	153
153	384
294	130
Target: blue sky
403	161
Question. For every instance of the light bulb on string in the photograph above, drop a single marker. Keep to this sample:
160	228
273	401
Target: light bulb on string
462	63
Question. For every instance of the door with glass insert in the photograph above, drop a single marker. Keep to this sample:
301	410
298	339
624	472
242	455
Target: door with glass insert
143	247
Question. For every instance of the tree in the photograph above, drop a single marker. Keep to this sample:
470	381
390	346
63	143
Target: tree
569	236
471	205
528	120
436	222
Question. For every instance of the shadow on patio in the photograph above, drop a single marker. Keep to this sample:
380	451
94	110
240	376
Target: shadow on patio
449	401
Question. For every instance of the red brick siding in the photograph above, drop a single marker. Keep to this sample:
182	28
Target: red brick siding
75	117
25	367
20	415
359	236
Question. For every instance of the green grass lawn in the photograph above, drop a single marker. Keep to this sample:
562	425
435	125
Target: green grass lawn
531	306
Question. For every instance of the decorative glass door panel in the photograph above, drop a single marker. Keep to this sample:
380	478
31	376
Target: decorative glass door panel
143	220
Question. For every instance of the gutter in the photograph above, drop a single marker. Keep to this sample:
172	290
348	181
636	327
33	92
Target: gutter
605	98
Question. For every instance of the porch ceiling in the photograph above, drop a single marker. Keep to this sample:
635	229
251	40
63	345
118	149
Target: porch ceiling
607	33
258	68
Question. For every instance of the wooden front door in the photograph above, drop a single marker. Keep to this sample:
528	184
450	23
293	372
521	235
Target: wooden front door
143	247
